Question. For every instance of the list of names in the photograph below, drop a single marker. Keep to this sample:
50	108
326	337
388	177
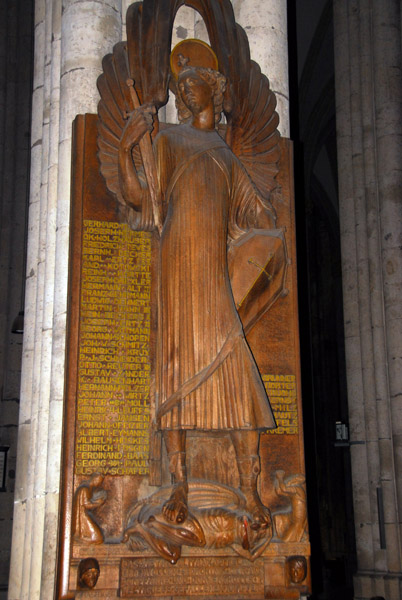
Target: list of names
113	408
281	390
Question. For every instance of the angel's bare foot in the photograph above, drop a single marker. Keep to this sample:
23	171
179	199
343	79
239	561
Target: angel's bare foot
175	509
261	514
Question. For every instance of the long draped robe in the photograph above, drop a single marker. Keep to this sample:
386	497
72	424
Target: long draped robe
206	376
83	525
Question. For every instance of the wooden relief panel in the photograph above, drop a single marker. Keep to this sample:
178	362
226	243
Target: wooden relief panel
183	454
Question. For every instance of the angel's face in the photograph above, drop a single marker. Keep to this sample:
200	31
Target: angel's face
196	94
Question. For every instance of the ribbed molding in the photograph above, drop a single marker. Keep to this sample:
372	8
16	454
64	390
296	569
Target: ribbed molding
70	41
16	24
369	130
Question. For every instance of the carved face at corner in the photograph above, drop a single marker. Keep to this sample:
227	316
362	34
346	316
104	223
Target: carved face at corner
196	94
297	568
88	573
90	577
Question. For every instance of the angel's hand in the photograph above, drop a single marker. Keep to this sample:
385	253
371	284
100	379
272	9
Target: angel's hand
280	474
139	122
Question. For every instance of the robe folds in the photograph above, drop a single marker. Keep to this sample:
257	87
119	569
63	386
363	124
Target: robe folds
206	378
83	526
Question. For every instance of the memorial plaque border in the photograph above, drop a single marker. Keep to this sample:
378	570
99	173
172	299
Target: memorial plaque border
85	175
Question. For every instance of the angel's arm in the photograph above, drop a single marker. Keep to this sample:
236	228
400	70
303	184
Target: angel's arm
280	486
264	216
248	208
87	501
133	189
91	504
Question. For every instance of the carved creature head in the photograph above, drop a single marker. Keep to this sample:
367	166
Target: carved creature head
199	77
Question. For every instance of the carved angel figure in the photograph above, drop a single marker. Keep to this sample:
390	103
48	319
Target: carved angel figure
199	194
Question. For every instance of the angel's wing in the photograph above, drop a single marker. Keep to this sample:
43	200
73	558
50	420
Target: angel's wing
249	103
254	133
116	103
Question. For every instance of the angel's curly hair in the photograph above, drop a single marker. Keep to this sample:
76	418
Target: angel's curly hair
215	80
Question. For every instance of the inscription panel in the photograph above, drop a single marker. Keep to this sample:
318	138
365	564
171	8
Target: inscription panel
281	390
112	426
217	576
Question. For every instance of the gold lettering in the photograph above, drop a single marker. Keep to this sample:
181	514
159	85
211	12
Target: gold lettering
281	390
114	367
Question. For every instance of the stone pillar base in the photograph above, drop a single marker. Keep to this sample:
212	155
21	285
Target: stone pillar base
369	584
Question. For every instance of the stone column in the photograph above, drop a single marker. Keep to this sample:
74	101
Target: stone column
70	41
16	24
369	127
183	28
265	22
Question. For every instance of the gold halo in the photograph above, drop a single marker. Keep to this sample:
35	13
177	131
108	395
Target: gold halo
197	53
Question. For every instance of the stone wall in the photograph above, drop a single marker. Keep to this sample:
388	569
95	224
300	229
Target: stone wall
369	132
16	24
